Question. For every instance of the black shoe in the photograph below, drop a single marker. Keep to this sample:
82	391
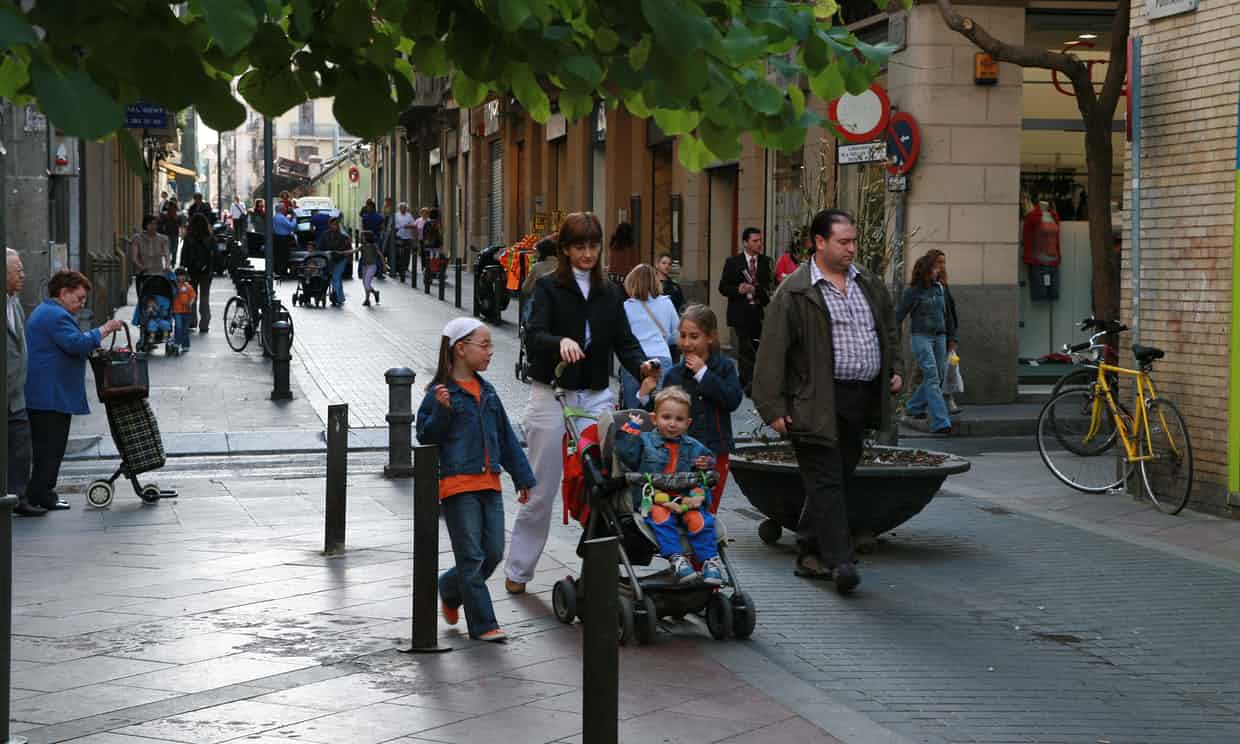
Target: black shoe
376	297
846	577
810	566
202	330
24	509
57	505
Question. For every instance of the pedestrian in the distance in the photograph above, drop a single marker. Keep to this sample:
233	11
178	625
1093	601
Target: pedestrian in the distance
464	416
15	376
284	228
654	322
827	370
170	223
748	280
58	349
148	252
196	259
787	263
197	207
372	262
670	288
713	385
238	213
337	245
925	302
577	319
953	320
405	230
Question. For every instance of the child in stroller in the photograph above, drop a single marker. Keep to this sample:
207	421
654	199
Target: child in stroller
153	313
667	449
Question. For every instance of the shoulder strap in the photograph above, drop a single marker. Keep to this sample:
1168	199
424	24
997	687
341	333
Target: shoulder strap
657	324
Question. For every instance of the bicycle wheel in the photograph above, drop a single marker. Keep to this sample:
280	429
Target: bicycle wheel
1168	476
238	326
1084	378
1076	441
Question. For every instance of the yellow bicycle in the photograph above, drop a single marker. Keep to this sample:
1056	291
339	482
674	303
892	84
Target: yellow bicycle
1079	428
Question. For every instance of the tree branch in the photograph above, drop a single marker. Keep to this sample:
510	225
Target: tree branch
1113	86
1024	56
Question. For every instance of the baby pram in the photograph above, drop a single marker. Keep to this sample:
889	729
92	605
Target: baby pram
153	314
313	277
597	495
135	432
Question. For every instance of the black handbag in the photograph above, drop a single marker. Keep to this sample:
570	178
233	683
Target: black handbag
120	373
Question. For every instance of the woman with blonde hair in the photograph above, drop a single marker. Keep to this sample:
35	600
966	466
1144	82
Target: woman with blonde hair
655	323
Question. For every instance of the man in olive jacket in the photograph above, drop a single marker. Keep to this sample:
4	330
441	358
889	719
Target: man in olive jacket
826	372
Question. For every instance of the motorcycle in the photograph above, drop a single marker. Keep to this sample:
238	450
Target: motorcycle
226	252
491	296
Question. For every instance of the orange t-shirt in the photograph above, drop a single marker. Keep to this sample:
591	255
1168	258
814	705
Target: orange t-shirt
184	299
466	482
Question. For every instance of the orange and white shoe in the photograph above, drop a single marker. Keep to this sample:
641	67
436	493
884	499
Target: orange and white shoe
494	636
451	615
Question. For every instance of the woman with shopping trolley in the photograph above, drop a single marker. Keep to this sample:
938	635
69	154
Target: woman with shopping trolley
577	317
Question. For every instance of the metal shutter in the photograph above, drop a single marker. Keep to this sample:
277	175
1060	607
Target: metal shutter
495	205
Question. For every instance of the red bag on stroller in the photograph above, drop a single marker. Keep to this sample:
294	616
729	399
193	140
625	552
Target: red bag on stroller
573	487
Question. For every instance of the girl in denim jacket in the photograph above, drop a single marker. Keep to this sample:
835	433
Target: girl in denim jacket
925	302
463	415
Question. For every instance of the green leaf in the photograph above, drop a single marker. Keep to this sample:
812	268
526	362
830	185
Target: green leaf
14	30
303	18
797	96
220	110
741	45
763	97
606	40
828	85
575	105
350	24
876	53
513	14
636	105
723	141
466	91
232	24
674	122
584	69
815	52
74	101
271	92
676	26
824	9
529	92
364	105
640	53
14	74
693	153
430	57
271	48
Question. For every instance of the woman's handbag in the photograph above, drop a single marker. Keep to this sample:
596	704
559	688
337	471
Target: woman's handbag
120	373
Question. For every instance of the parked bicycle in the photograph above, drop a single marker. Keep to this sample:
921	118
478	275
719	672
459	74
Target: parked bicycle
1078	428
1088	356
245	313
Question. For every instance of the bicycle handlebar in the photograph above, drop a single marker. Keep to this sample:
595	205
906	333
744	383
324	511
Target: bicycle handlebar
1079	347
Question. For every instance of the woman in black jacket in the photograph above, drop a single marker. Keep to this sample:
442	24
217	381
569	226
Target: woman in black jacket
196	258
577	317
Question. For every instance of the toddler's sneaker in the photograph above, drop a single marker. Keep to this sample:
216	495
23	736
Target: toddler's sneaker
494	636
683	569
451	615
712	571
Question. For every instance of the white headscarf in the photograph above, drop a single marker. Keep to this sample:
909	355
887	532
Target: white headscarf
459	328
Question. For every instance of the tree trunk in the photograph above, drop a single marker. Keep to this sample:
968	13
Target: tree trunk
1105	259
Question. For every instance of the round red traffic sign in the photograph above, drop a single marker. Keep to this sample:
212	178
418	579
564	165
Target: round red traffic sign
861	118
354	174
903	143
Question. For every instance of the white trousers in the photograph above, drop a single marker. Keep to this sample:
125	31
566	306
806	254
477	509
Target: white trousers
544	435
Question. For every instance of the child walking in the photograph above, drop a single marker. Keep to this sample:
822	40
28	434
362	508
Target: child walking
464	416
183	309
668	449
372	263
713	385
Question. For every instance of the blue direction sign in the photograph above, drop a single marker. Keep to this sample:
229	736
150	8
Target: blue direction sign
903	143
146	116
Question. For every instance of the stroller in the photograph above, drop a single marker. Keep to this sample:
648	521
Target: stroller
135	432
313	277
596	494
153	313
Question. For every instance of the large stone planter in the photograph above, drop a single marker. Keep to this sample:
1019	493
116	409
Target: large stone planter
883	496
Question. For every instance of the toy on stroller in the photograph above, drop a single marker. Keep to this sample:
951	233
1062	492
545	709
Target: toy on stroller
313	277
153	313
135	432
596	494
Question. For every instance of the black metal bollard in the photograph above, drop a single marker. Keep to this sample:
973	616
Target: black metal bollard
6	614
457	284
443	277
400	421
281	356
600	658
424	634
337	478
426	277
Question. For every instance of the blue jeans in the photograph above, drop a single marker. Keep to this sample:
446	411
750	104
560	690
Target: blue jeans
338	278
181	336
698	524
475	523
629	384
931	355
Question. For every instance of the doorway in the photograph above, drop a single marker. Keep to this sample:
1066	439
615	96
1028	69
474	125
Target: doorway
721	239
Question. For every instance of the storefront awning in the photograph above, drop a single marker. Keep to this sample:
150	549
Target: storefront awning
174	169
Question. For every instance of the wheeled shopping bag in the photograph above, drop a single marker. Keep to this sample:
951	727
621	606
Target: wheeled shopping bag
136	435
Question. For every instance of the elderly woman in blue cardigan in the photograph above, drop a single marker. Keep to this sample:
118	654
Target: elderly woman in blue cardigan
56	389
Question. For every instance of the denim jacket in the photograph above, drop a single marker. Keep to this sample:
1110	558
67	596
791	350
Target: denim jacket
714	399
928	308
470	432
646	452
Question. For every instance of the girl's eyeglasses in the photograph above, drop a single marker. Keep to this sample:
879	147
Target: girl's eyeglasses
484	344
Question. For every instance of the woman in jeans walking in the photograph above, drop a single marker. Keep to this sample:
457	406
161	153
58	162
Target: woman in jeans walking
925	301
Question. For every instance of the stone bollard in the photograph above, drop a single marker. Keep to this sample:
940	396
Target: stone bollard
281	356
400	422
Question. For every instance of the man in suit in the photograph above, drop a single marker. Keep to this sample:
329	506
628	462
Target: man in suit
748	281
16	360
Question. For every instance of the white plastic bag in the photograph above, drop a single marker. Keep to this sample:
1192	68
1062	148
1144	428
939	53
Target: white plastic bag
953	381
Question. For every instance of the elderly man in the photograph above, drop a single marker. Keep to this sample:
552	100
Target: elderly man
17	359
826	371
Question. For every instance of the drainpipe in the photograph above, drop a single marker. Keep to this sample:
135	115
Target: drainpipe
1233	382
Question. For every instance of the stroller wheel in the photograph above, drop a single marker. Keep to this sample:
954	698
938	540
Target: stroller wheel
624	617
150	494
719	616
564	600
769	531
99	494
744	615
646	620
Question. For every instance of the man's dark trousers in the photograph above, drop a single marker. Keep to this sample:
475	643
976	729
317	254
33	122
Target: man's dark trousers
19	453
827	472
49	433
747	337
